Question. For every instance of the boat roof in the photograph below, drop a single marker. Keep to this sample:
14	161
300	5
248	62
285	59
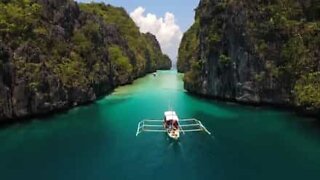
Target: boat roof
171	115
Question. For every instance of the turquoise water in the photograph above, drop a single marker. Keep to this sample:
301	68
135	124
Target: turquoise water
98	141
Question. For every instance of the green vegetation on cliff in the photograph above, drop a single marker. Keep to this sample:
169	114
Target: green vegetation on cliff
192	76
307	90
189	48
55	54
256	52
18	20
119	61
144	47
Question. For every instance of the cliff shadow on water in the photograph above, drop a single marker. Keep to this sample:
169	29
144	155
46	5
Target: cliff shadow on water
299	111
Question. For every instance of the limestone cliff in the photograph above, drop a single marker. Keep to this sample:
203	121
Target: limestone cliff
189	48
258	52
55	54
157	60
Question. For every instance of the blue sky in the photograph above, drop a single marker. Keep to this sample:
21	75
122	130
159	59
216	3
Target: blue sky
166	19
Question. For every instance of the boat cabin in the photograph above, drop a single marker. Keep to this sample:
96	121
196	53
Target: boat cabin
170	120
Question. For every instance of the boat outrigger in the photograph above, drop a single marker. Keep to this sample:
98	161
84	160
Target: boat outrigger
172	125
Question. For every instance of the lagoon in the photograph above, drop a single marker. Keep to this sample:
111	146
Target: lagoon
98	141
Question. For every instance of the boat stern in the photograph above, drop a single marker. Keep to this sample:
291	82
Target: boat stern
174	134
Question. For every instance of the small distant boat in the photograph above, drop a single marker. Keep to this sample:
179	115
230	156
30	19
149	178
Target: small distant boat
154	74
172	125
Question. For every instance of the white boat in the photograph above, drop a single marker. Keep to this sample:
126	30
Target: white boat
172	125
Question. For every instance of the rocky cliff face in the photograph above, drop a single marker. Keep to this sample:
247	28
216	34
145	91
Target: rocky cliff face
157	60
258	52
55	55
189	50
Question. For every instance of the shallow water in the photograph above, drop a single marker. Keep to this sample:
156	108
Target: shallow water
98	141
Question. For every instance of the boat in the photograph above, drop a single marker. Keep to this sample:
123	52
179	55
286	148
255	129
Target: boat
154	74
172	125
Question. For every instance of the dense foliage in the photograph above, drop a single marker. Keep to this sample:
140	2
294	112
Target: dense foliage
18	20
308	90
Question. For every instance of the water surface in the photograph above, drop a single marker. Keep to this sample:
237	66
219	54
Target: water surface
98	141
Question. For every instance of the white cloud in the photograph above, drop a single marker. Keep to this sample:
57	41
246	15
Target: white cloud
164	28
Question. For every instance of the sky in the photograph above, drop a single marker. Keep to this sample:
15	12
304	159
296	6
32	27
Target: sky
166	19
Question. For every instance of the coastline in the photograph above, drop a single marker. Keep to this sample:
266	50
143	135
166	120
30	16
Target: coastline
46	115
300	111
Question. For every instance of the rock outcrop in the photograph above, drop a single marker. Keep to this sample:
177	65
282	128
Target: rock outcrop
189	50
257	52
56	54
158	60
